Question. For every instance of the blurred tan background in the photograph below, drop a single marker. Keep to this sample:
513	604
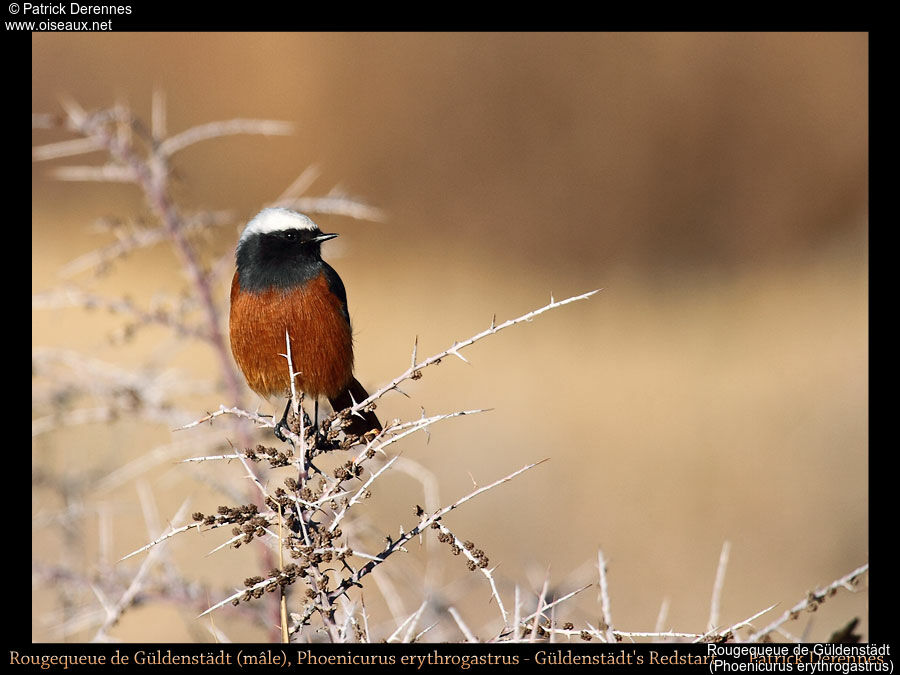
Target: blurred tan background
713	185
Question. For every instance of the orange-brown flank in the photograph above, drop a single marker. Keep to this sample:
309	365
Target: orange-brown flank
321	342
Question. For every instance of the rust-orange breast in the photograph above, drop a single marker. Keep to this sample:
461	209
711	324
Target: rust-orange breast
321	342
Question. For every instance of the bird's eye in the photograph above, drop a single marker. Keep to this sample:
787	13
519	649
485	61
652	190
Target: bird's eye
290	235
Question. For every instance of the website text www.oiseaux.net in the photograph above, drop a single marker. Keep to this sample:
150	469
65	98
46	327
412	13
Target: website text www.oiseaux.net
63	16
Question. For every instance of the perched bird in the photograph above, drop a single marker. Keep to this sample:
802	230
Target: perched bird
282	285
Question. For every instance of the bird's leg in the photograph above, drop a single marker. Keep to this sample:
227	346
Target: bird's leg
316	423
321	438
283	424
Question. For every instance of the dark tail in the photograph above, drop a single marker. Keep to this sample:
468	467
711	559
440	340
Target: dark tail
358	425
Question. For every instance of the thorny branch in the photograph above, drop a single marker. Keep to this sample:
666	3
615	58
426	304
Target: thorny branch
138	155
812	601
307	517
414	372
392	433
397	545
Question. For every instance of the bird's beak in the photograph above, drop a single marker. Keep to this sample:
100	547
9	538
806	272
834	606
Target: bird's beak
324	237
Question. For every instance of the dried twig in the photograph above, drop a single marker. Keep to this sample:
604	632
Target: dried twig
604	597
409	624
812	601
396	545
210	130
479	563
414	371
716	602
470	636
114	613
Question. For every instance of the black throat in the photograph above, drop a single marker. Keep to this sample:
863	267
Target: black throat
283	259
286	259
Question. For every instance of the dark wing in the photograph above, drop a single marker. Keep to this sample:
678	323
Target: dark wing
336	286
